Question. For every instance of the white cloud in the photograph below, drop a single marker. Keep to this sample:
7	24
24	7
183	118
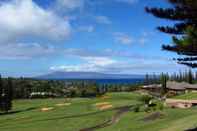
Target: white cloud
126	39
143	40
25	51
68	5
93	64
88	28
110	65
128	1
86	53
99	61
123	38
103	20
24	18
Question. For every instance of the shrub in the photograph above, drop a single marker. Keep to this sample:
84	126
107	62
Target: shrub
136	108
145	99
160	106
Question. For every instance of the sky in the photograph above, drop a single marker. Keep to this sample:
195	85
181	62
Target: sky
109	36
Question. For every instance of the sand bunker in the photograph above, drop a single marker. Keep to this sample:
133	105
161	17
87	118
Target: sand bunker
103	105
47	109
63	104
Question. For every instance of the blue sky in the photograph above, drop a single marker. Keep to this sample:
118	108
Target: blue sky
110	36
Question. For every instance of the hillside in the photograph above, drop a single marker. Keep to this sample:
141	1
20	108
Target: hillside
87	75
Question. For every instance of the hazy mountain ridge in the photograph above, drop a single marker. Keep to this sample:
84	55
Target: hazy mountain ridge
88	75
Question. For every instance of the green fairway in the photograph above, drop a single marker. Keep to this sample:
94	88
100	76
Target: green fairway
82	113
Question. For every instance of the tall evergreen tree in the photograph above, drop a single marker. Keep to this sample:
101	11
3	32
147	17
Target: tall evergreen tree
184	31
147	81
7	95
190	77
1	93
164	79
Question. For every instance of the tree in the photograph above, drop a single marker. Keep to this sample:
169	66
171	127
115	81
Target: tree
146	79
9	94
184	31
1	93
6	95
164	79
190	77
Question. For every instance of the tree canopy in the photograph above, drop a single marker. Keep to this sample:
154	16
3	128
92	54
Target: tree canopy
184	31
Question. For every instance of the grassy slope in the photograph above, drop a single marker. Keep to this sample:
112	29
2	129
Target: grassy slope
82	113
187	96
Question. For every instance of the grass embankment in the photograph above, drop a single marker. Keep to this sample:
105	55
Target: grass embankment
187	96
83	113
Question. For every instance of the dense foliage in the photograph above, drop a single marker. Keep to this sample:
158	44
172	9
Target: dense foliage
184	31
6	94
187	76
24	88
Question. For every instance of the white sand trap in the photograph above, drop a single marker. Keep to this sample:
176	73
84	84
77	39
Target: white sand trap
102	104
63	104
105	107
47	109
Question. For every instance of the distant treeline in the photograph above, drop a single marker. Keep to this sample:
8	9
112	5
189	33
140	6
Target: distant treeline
23	88
187	76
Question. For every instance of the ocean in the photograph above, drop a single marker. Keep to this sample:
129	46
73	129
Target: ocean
112	81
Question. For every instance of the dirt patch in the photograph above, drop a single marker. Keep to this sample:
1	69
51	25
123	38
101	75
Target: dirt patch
63	104
45	109
115	118
154	116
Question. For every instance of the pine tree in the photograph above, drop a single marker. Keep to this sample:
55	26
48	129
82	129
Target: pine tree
184	31
164	79
190	77
147	80
1	93
7	95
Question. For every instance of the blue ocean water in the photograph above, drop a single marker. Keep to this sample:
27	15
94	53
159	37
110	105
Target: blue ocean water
111	81
119	81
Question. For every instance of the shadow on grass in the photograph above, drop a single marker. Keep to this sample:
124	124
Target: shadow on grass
68	117
115	118
5	126
18	111
194	129
84	115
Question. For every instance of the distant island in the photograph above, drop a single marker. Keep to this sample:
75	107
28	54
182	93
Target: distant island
88	75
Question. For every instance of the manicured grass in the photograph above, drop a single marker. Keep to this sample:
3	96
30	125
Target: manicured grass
187	96
82	113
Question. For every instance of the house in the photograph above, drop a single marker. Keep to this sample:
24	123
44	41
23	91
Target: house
191	88
152	88
172	87
176	87
180	87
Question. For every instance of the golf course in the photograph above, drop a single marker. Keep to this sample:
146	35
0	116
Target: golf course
111	112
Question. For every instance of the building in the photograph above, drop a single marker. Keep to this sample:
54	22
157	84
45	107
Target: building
176	87
153	87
